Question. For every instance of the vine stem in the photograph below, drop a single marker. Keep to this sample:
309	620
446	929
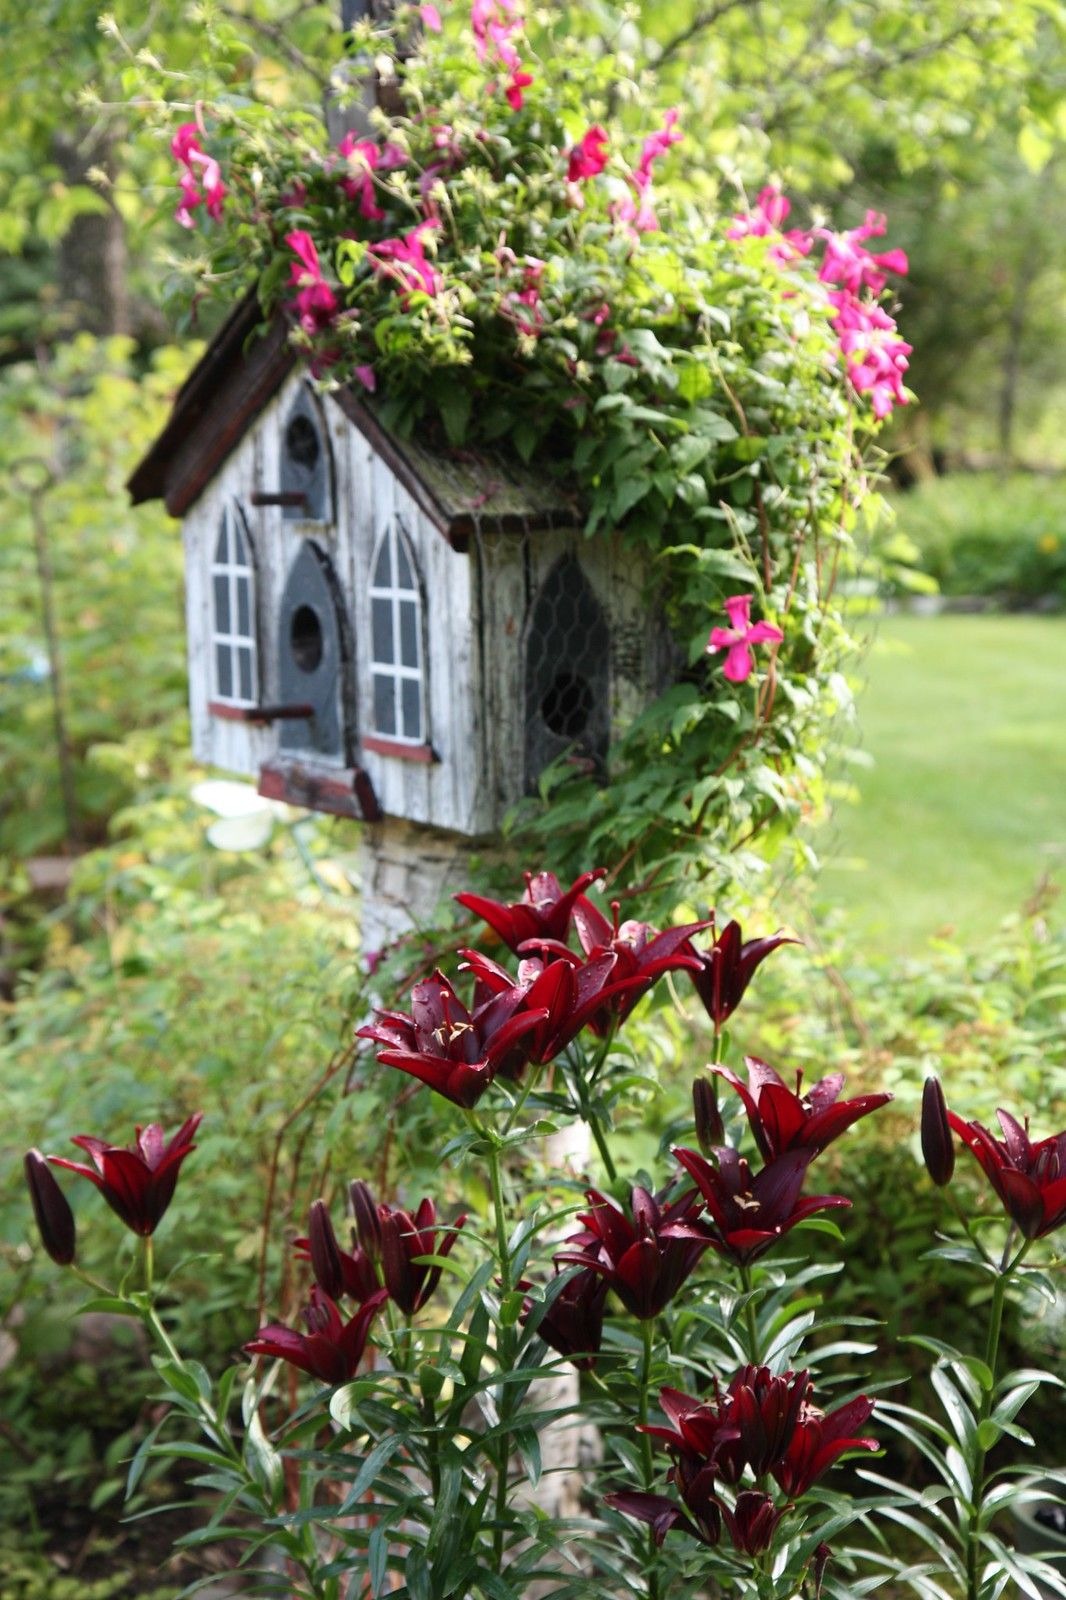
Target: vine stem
995	1328
505	1334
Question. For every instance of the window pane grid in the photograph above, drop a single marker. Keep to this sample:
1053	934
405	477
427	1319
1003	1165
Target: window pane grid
234	652
396	643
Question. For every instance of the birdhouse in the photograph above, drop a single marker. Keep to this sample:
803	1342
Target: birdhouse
387	632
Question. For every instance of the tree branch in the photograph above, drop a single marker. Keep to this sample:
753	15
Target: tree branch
699	24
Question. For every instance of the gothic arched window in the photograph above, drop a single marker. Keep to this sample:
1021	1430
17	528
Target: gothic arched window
305	462
397	660
235	665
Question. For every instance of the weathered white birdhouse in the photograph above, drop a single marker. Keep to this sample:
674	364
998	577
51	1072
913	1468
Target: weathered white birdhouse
377	630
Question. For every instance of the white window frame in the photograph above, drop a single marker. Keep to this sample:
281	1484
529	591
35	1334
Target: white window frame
234	571
394	537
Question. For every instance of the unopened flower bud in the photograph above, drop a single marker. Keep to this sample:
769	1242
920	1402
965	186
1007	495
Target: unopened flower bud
325	1252
367	1221
938	1147
55	1219
709	1130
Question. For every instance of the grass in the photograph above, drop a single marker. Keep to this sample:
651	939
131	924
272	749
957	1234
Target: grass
963	810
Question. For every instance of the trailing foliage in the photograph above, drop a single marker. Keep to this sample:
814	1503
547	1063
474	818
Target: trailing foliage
497	268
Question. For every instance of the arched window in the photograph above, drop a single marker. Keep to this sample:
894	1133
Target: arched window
396	652
233	646
568	655
305	463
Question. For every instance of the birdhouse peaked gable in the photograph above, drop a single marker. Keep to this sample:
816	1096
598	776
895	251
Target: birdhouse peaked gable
375	628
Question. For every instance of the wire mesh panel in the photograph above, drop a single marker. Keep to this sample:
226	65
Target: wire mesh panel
568	668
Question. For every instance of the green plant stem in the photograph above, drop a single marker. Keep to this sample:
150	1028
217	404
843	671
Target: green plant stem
588	1115
647	1328
995	1328
505	1344
750	1320
149	1262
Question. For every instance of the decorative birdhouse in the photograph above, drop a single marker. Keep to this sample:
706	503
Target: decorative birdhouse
381	631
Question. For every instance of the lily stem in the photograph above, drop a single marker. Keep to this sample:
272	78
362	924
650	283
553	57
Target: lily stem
647	1328
995	1328
505	1345
750	1320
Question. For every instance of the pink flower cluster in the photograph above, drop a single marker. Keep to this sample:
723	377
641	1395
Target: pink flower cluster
200	181
495	24
523	305
875	357
365	157
315	303
637	210
403	259
589	157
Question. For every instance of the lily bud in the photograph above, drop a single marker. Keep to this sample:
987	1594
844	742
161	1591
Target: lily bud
325	1252
938	1147
367	1221
51	1209
710	1133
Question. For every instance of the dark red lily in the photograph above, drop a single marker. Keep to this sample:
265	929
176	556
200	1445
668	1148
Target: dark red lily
728	967
710	1132
749	1214
367	1222
752	1521
818	1440
137	1184
454	1051
1028	1176
784	1119
569	993
641	953
573	1322
543	912
51	1210
331	1349
749	1425
661	1513
337	1271
404	1239
646	1256
938	1147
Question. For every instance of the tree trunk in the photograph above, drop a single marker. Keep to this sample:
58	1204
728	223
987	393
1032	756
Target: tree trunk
93	263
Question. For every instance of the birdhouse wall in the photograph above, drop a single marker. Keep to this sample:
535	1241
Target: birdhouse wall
436	777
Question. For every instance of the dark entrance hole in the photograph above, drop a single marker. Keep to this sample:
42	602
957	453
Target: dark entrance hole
305	638
301	441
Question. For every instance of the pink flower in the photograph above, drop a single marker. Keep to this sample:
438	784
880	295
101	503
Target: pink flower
206	189
874	355
368	379
658	143
638	213
519	80
364	157
848	263
315	303
588	159
738	638
404	260
430	18
764	222
523	305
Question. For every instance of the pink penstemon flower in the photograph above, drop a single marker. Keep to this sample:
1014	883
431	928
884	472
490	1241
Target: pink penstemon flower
205	188
637	211
315	302
848	263
589	156
430	18
765	220
738	638
875	356
364	158
404	260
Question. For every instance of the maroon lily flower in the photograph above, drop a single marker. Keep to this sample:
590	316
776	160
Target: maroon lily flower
646	1256
710	1132
367	1220
818	1440
331	1349
1028	1176
749	1214
569	993
404	1239
782	1119
749	1426
51	1209
662	1513
137	1184
728	967
543	912
752	1522
938	1147
337	1271
641	952
573	1322
454	1051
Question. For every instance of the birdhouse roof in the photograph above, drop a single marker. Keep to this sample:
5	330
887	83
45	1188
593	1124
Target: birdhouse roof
239	373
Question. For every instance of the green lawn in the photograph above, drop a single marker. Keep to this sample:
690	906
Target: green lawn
964	809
